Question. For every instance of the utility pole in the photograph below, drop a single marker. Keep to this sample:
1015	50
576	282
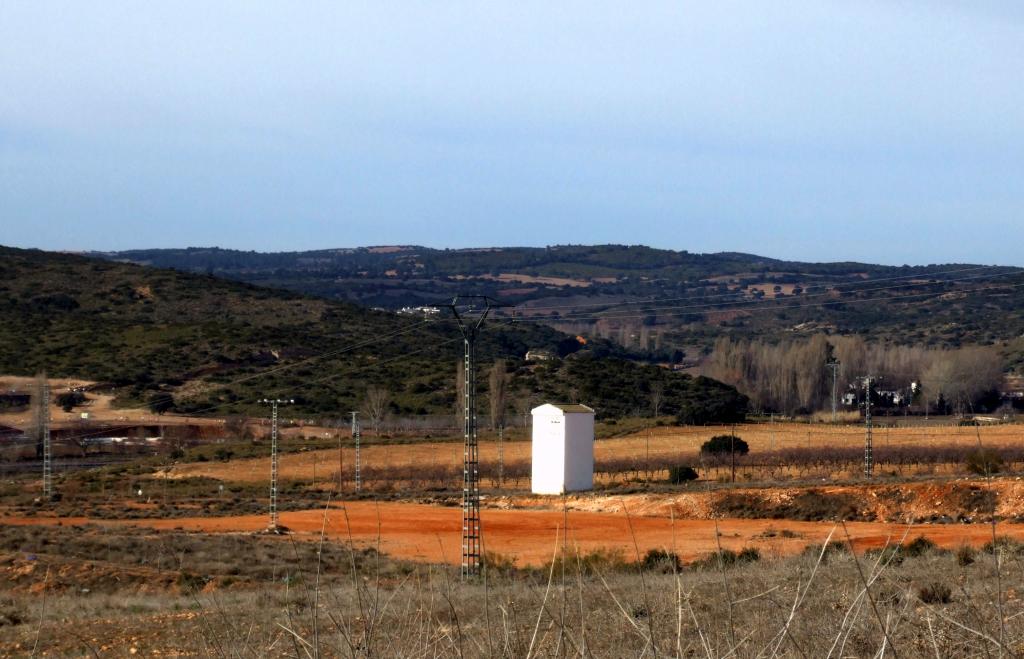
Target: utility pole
470	320
274	526
47	445
355	438
833	364
869	457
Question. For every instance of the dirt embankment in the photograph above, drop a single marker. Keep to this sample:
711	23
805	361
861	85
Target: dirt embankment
946	502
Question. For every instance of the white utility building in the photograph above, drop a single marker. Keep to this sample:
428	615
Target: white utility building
563	449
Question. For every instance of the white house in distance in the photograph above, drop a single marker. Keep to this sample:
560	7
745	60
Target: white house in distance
563	449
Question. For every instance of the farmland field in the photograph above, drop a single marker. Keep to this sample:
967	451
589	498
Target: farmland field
175	550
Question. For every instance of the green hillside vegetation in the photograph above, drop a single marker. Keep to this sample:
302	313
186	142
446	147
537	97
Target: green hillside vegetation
209	342
707	296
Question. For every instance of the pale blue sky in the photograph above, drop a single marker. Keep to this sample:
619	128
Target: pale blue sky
878	131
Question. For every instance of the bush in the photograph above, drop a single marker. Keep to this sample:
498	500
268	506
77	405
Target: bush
68	401
681	474
160	402
919	546
1005	545
935	593
725	445
965	555
661	561
984	461
834	547
727	558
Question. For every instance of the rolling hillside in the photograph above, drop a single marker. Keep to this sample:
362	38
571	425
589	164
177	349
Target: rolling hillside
653	300
220	344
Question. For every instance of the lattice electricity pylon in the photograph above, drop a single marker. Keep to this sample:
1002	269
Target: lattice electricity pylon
355	438
47	445
869	456
470	311
274	525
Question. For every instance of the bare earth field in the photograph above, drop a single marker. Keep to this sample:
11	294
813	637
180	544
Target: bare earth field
433	533
190	572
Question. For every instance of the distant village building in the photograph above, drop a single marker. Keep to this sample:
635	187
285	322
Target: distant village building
562	449
426	312
538	355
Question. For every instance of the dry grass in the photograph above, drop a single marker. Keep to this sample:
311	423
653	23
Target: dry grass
826	602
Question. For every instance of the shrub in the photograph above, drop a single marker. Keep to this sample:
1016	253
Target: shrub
832	548
984	461
725	445
918	547
727	558
160	402
661	561
189	582
681	474
70	400
965	555
1005	545
935	593
748	555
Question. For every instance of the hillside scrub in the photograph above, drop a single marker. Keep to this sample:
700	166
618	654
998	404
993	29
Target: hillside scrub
199	345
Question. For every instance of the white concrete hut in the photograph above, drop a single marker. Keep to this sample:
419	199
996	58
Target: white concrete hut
563	449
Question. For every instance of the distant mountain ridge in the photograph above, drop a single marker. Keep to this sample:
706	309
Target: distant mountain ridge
615	291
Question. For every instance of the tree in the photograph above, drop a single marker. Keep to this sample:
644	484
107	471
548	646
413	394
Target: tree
67	401
375	406
160	402
681	474
498	393
657	397
523	404
724	445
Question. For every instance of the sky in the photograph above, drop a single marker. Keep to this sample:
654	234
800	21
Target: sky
886	132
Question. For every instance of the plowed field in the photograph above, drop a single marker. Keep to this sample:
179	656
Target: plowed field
432	533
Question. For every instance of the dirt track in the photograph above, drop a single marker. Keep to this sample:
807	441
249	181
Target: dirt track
431	533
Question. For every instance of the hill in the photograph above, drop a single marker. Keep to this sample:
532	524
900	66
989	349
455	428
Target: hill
215	343
651	300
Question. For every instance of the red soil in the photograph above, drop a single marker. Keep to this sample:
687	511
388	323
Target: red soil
432	533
